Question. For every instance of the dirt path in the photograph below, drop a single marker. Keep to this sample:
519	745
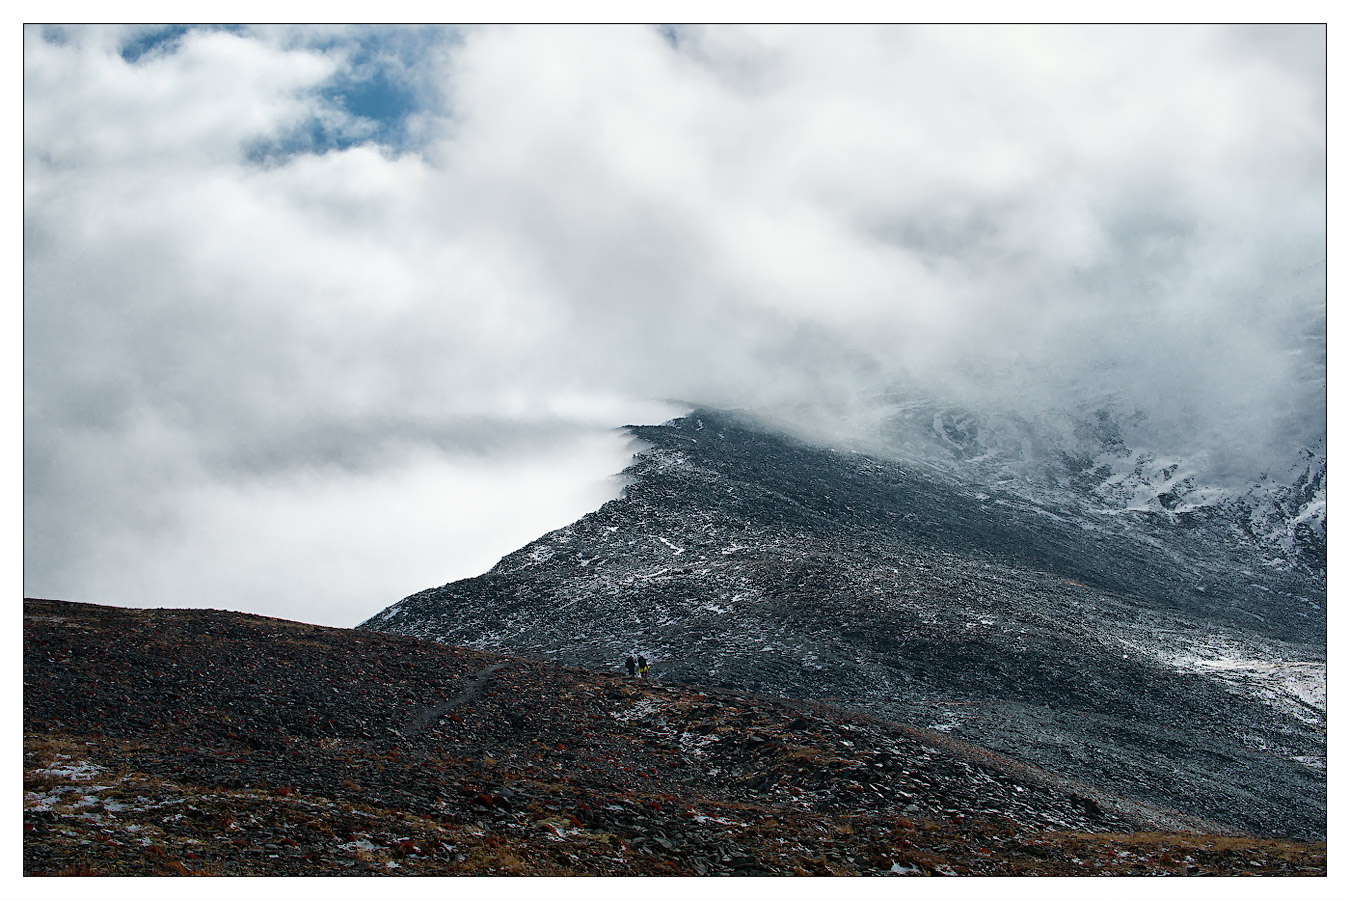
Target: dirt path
428	714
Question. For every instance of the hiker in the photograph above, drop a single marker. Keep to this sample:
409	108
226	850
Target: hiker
631	665
643	668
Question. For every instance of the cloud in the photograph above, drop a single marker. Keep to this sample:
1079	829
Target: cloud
257	254
331	545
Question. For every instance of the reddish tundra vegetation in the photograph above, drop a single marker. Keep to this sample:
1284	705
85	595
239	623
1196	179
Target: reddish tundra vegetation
200	742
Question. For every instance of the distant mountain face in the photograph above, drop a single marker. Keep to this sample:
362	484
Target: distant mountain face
1170	652
1094	459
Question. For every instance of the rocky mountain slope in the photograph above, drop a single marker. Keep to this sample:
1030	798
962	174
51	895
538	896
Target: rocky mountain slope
1160	658
1094	459
200	742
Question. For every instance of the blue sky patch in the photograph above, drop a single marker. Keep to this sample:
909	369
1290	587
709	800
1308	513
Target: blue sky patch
150	40
380	87
379	93
165	37
382	83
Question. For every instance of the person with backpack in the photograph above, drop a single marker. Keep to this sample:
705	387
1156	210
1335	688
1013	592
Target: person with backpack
631	665
643	667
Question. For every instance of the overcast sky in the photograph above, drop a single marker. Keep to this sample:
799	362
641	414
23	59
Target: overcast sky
318	317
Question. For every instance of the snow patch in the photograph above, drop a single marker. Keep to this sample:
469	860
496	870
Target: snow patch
641	710
720	821
360	844
74	772
693	743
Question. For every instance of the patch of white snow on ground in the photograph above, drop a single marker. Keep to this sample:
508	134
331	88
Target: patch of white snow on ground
641	710
678	550
693	742
702	819
43	802
359	844
649	576
73	771
1296	687
1260	670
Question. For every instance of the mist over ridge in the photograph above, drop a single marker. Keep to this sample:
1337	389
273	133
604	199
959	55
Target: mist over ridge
268	264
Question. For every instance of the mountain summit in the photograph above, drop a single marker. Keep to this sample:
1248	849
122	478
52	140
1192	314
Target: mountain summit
1143	657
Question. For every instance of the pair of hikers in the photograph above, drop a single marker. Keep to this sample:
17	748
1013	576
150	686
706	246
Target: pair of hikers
637	666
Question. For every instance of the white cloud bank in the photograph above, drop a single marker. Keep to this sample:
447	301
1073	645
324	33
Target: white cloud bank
264	345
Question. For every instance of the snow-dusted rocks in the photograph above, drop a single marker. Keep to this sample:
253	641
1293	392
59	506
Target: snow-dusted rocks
1049	629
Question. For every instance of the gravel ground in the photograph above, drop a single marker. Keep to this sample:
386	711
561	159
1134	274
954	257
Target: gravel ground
206	742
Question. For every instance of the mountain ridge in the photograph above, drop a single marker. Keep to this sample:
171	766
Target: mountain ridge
1104	652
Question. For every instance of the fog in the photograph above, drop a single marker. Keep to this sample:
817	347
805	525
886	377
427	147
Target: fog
317	317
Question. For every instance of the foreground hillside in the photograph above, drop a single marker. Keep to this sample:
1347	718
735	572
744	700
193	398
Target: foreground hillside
206	742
